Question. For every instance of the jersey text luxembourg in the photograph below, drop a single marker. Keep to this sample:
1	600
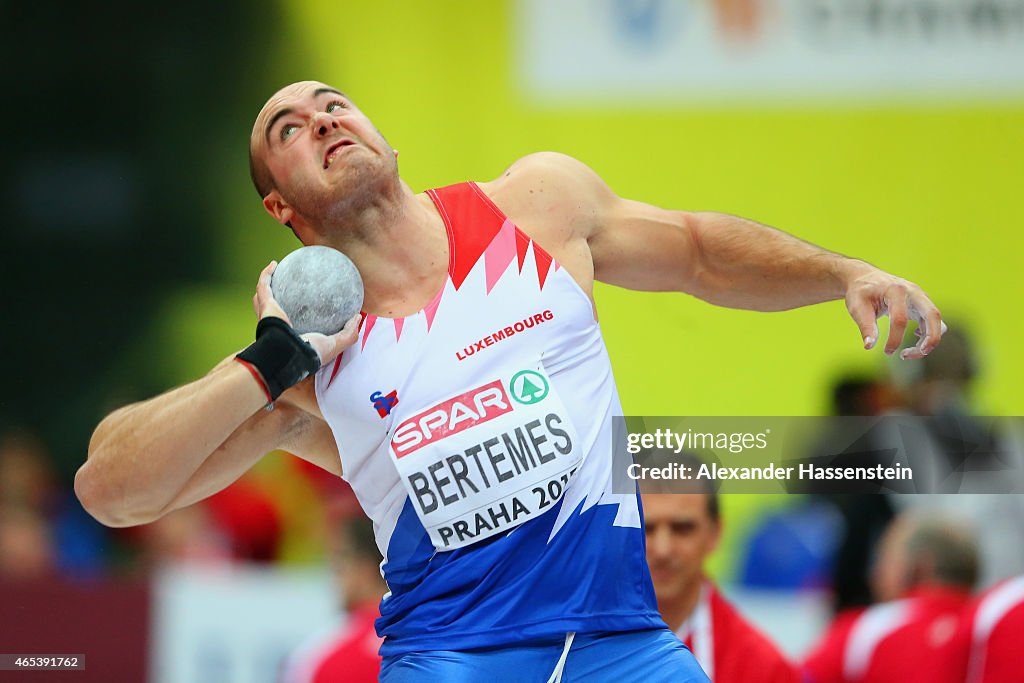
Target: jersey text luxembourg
504	333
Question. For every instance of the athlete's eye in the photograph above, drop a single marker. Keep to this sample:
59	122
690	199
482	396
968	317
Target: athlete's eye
287	130
334	107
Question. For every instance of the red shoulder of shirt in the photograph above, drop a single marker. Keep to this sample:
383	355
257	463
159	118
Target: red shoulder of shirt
912	639
743	654
990	653
1002	662
824	663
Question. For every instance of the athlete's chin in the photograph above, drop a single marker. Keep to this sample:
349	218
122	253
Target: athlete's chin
339	204
359	188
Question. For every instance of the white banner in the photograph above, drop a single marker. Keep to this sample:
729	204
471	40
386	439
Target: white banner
234	624
714	50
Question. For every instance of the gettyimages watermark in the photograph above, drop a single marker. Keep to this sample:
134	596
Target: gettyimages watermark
833	455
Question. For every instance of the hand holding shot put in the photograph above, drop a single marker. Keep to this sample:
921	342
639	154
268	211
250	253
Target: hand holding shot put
318	287
480	379
323	293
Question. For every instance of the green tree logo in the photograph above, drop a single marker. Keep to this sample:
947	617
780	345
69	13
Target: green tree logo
528	386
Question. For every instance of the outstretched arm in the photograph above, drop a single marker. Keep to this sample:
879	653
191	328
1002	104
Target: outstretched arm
149	458
723	259
735	262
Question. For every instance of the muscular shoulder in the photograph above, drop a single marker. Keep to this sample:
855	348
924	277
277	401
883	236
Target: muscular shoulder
552	191
560	203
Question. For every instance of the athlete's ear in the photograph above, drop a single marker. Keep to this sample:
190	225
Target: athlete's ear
396	153
277	207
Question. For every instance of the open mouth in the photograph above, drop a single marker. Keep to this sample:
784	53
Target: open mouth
333	150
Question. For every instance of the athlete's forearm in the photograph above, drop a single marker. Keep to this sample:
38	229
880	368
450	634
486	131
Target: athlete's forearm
142	456
743	264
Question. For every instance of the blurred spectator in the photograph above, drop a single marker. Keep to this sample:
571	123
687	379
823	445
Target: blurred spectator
249	519
239	524
864	396
923	578
683	529
347	651
864	516
950	449
42	525
969	455
26	477
26	492
940	383
188	535
26	544
990	637
739	21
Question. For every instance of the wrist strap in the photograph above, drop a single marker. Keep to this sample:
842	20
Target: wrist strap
281	356
256	374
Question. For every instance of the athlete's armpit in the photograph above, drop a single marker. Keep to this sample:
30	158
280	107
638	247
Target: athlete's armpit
311	439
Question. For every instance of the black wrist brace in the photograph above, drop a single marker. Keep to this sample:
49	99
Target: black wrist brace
283	357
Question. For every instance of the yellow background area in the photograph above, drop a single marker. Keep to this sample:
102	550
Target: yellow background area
930	192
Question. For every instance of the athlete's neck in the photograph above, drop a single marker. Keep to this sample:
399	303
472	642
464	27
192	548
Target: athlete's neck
401	251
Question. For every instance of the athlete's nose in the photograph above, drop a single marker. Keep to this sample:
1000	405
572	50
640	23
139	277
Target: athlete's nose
324	123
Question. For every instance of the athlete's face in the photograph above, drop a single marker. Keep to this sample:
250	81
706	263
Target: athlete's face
325	158
680	536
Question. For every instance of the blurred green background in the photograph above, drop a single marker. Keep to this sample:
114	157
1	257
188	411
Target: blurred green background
133	236
926	192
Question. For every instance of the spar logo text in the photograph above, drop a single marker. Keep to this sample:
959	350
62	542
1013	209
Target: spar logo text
469	409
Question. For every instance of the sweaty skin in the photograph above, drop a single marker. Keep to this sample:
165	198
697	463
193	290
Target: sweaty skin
325	171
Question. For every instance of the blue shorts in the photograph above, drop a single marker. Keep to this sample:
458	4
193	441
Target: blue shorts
655	656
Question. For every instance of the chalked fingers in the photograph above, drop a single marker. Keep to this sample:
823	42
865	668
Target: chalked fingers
264	302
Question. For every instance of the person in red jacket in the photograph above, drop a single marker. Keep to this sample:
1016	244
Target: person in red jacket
348	651
683	529
997	631
990	636
923	579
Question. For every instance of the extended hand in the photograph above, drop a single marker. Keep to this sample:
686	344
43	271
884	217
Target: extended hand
327	347
877	293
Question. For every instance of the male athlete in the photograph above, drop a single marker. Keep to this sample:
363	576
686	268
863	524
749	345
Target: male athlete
471	410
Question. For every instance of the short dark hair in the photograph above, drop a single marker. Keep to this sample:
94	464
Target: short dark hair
262	180
659	457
